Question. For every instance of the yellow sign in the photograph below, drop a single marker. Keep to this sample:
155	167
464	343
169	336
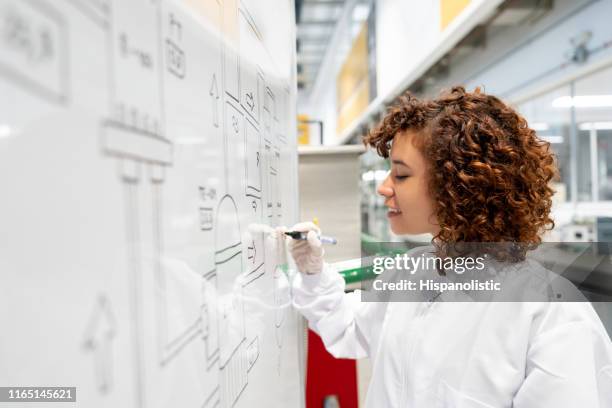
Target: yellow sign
449	9
303	130
353	86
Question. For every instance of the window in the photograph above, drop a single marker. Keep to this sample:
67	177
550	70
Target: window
584	108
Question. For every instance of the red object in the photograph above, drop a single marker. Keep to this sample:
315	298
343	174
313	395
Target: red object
326	375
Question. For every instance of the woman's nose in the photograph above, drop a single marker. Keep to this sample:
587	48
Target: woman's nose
384	189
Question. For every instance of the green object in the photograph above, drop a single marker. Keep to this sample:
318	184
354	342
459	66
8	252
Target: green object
357	274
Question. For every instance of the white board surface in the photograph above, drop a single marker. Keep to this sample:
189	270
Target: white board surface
140	142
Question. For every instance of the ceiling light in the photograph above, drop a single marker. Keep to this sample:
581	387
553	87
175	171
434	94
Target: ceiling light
583	101
595	125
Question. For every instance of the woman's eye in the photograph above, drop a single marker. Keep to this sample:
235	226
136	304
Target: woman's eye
400	177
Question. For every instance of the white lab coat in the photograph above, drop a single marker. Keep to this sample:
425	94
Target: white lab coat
461	354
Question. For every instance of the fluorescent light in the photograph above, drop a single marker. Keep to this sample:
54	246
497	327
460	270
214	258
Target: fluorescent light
583	101
562	102
539	126
595	125
552	139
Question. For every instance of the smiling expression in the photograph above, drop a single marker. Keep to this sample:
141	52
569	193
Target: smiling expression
405	189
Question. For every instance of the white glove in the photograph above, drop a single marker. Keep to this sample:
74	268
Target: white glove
308	254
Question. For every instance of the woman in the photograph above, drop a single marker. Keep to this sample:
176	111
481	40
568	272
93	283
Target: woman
466	168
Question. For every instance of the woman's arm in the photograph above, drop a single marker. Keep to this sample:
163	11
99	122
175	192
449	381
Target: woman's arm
347	326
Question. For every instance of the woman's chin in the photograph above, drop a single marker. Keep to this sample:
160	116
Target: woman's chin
406	230
399	229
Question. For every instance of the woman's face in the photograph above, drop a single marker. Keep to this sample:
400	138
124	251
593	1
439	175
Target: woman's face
405	189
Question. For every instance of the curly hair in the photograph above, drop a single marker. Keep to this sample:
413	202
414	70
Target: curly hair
488	172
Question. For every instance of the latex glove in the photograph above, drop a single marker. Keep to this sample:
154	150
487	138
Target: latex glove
308	254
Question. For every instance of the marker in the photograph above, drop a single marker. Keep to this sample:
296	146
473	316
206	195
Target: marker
302	236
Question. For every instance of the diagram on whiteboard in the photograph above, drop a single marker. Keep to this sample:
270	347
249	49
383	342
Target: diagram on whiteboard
163	131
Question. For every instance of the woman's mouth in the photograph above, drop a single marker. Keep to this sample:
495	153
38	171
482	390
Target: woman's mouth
393	212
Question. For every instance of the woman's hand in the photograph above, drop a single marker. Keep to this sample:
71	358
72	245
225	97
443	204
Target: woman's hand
308	254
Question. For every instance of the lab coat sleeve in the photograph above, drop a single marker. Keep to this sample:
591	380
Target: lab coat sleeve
346	325
569	364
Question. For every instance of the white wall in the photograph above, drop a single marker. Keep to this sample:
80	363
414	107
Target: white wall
405	33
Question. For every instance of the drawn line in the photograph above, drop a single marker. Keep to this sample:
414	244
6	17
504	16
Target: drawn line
214	358
229	247
176	351
185	333
255	340
255	270
227	259
210	397
254	278
233	353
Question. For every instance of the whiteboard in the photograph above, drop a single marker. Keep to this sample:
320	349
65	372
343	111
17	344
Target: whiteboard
143	144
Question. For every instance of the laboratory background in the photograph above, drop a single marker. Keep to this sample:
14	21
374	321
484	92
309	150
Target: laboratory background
148	148
551	60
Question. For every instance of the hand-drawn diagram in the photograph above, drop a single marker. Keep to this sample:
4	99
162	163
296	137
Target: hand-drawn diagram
33	48
175	56
239	257
229	302
154	80
134	135
271	169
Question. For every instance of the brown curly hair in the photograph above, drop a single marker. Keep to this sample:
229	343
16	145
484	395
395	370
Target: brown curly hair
489	173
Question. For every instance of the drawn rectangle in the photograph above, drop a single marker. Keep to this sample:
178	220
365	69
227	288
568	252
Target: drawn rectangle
124	142
33	48
175	59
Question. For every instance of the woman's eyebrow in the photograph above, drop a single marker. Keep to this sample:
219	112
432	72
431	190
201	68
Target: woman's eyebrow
400	162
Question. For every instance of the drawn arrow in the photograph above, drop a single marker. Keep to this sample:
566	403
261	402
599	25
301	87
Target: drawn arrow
214	94
99	335
250	101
